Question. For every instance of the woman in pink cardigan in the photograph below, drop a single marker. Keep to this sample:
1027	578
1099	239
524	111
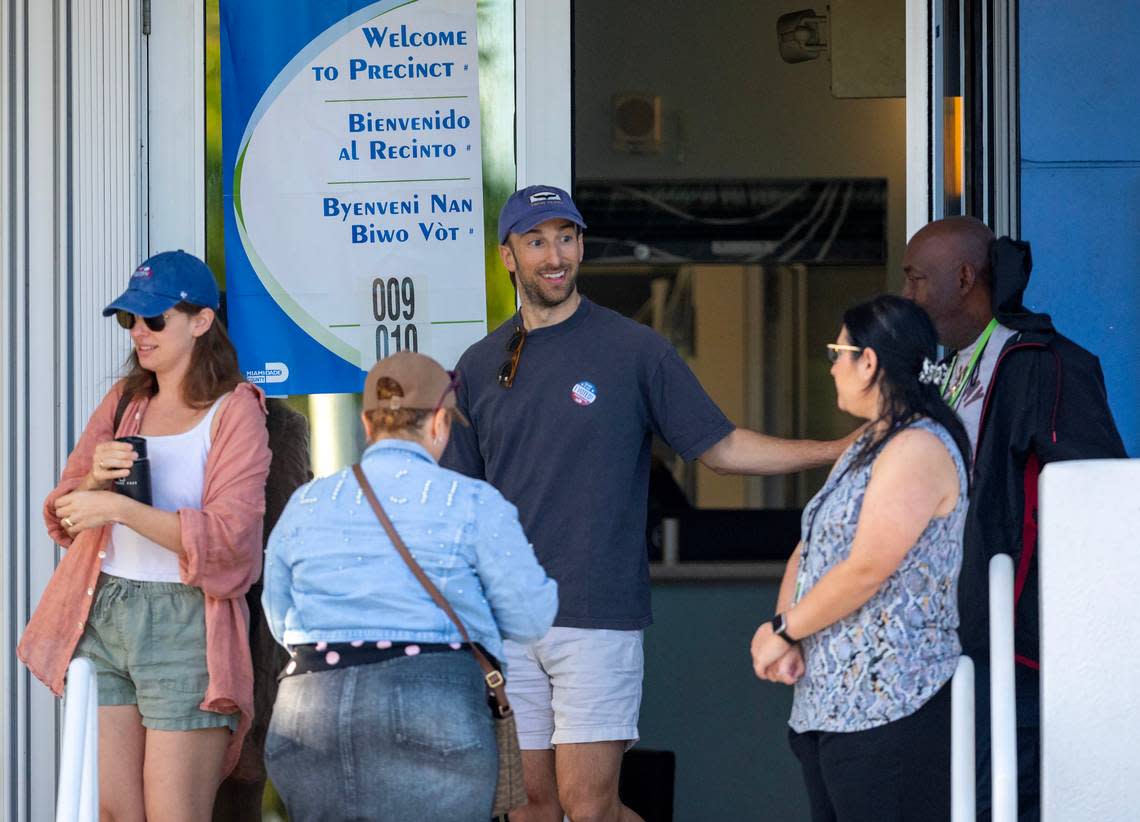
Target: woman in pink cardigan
152	590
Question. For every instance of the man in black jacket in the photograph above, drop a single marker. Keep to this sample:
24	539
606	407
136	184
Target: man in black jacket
1028	396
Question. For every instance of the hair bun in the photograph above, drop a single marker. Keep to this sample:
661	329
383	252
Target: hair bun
387	388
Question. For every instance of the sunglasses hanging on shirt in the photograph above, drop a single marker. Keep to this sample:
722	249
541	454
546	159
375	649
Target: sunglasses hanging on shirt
514	347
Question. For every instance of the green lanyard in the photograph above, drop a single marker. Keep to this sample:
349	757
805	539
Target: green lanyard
956	395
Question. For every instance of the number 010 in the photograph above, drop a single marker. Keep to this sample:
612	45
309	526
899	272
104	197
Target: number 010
392	340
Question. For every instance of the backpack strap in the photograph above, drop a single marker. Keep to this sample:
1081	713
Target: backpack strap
120	409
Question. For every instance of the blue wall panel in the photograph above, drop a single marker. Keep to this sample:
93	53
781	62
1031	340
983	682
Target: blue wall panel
1080	186
1078	79
1083	224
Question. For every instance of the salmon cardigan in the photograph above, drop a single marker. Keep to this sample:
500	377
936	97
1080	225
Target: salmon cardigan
222	551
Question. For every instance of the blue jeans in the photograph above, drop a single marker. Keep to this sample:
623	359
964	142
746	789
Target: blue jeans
409	738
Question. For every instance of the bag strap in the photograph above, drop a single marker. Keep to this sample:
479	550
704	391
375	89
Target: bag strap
120	409
491	675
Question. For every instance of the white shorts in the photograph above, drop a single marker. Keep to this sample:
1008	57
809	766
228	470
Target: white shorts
576	685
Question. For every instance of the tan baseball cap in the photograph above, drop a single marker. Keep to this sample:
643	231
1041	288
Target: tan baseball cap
426	386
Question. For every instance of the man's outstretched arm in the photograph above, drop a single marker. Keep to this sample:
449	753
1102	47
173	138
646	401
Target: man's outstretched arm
749	452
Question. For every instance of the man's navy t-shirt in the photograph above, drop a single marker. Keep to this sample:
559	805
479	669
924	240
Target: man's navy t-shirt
569	445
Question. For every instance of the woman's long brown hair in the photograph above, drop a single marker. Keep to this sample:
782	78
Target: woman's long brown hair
213	367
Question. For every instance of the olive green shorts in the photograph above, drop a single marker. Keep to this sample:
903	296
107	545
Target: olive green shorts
147	641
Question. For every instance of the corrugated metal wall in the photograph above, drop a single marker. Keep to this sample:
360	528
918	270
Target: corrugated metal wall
69	218
106	199
34	223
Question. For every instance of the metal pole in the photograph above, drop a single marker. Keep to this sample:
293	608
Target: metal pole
79	761
1003	709
70	802
963	807
89	784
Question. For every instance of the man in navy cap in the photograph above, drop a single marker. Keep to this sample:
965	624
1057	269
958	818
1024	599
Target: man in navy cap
564	400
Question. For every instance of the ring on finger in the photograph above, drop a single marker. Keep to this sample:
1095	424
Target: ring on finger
67	522
102	467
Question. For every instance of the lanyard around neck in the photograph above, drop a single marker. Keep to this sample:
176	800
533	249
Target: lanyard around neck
960	385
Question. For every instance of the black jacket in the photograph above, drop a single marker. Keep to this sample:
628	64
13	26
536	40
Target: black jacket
1046	403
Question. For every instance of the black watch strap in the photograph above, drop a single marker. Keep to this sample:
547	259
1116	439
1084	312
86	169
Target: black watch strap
780	629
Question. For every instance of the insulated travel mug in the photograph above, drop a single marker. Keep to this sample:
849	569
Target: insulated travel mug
136	484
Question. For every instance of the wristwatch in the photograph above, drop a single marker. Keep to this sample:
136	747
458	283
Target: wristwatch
780	629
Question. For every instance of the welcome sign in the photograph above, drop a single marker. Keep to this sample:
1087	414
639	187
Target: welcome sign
353	185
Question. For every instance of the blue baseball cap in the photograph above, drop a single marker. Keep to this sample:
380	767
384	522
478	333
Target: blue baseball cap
532	205
164	281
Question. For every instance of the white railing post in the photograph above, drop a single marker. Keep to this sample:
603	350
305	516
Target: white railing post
963	807
1003	707
89	784
79	759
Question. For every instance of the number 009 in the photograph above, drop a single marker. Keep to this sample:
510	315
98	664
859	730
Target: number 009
389	341
393	299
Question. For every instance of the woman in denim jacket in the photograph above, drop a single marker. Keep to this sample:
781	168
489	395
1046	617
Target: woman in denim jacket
382	713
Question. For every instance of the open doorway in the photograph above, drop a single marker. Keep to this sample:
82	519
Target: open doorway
740	195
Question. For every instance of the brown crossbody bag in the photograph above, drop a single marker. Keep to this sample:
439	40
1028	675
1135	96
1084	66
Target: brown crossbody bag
510	792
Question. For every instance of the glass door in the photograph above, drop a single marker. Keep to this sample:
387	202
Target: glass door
948	128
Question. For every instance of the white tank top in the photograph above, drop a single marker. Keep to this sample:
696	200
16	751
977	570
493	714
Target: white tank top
177	474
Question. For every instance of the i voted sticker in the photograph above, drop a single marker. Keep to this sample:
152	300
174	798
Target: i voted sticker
584	393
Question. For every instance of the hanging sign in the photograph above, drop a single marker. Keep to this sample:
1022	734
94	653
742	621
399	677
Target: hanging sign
353	184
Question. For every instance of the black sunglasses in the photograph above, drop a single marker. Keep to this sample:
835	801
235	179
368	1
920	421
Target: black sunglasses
127	320
514	347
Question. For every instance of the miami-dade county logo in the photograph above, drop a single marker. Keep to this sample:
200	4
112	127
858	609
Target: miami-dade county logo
540	197
584	393
273	372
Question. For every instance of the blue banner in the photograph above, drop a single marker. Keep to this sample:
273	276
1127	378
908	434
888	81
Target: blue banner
352	186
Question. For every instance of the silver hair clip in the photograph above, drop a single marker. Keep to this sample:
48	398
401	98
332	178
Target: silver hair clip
932	373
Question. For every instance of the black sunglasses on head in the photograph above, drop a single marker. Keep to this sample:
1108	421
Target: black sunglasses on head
127	320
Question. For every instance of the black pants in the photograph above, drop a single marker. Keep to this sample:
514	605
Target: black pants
1027	690
1028	777
898	772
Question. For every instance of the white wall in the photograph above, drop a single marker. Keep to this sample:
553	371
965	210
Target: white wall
731	107
1090	648
175	134
542	92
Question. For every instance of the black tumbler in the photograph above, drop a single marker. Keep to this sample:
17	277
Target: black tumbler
136	484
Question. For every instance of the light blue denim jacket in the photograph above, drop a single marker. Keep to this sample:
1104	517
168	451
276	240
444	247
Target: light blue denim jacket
332	574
